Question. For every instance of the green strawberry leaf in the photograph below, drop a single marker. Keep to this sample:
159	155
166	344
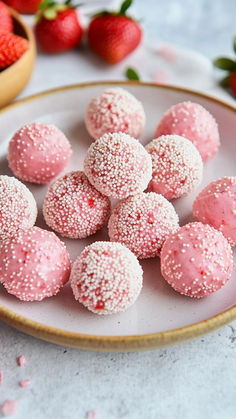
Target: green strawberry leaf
234	44
225	82
125	6
225	63
131	74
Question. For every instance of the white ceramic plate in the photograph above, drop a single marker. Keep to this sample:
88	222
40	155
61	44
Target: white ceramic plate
160	316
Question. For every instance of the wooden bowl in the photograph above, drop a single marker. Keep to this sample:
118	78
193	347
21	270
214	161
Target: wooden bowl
15	77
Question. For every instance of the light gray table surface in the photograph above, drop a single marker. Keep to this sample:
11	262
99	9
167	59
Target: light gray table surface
192	380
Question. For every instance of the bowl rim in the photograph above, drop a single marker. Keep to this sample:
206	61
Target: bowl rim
116	343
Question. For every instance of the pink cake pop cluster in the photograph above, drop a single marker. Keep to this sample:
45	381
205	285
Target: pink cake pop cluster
106	277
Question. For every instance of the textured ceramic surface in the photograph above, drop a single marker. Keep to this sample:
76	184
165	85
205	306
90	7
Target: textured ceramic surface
160	316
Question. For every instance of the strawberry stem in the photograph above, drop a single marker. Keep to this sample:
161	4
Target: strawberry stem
125	6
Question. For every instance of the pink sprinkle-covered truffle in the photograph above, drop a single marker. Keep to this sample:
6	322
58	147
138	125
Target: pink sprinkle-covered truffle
216	205
9	407
118	165
197	260
21	360
74	208
38	152
142	223
24	383
176	166
34	264
106	278
17	206
194	122
115	110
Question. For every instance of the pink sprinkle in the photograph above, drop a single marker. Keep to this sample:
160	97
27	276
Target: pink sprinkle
0	377
21	360
9	407
168	53
24	383
92	414
160	77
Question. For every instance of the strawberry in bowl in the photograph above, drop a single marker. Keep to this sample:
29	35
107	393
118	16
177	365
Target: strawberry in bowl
12	47
6	23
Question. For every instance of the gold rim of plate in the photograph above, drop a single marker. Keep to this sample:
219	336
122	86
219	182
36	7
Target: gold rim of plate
116	343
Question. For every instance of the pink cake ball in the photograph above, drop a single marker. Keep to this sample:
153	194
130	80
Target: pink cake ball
196	260
34	264
106	278
176	166
74	208
142	223
38	152
115	110
118	165
216	205
194	122
18	208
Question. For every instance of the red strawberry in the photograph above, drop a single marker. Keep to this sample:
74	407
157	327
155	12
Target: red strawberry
6	23
232	82
12	47
57	28
24	6
113	36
